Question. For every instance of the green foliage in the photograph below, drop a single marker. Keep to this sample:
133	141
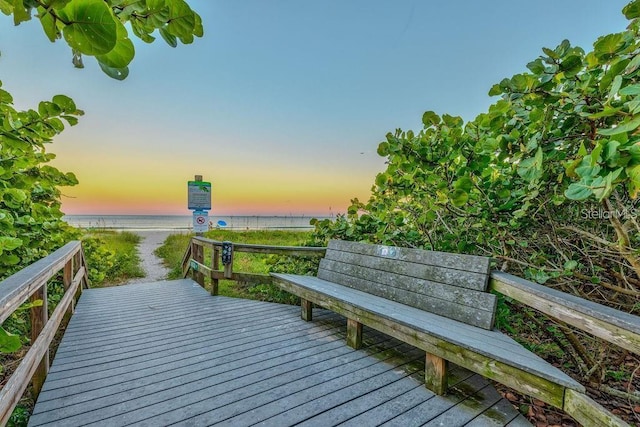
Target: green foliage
171	252
546	182
521	181
97	27
30	216
19	417
112	257
9	342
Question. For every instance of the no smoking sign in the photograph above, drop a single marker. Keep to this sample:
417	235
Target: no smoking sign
200	221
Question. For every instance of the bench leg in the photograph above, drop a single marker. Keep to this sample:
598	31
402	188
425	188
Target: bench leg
435	371
354	334
306	313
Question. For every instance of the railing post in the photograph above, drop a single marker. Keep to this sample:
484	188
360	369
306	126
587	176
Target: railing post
39	317
198	255
67	278
215	265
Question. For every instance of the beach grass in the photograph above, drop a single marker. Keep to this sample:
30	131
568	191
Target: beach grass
172	251
117	258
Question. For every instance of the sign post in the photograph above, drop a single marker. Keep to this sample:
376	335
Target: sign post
199	201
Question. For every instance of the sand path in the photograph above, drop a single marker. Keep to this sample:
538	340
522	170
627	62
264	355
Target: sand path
151	264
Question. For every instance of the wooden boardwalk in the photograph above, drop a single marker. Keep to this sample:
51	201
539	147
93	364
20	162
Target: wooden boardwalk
168	353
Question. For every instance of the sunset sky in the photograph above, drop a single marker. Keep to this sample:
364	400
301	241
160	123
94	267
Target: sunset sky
282	103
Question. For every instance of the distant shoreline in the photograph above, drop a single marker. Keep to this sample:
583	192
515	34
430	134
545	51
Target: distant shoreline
185	222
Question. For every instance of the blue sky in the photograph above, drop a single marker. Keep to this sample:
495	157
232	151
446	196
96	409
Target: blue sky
282	103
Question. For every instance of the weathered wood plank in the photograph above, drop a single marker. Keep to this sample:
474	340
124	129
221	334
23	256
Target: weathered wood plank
186	257
435	273
385	411
461	333
220	404
316	396
191	389
302	251
306	310
220	365
482	314
19	380
98	382
435	373
431	408
481	400
15	289
537	378
416	285
498	415
77	360
266	367
588	412
612	325
197	252
354	334
345	411
478	264
67	278
254	278
39	317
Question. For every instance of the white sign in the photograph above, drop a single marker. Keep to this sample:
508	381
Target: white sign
200	221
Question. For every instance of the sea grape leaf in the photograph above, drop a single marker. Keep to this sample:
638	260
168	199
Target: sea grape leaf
91	29
622	128
632	10
114	73
123	51
9	343
182	20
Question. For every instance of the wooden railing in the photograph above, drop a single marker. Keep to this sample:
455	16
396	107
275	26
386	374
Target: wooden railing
31	283
194	260
611	325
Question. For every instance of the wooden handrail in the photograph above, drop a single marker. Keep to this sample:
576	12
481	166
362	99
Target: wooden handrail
266	249
604	322
193	260
32	282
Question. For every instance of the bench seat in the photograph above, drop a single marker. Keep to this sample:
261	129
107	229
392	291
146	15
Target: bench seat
487	352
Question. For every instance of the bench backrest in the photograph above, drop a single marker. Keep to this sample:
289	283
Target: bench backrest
450	285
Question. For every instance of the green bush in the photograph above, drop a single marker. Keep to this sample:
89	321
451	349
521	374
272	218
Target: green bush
546	181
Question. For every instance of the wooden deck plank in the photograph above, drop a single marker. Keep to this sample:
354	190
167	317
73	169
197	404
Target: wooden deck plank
239	393
205	349
464	412
214	363
497	415
127	335
341	409
182	368
108	348
136	369
424	412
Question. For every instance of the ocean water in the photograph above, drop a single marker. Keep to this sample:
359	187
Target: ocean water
185	222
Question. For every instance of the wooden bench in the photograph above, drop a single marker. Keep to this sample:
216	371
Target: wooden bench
433	300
